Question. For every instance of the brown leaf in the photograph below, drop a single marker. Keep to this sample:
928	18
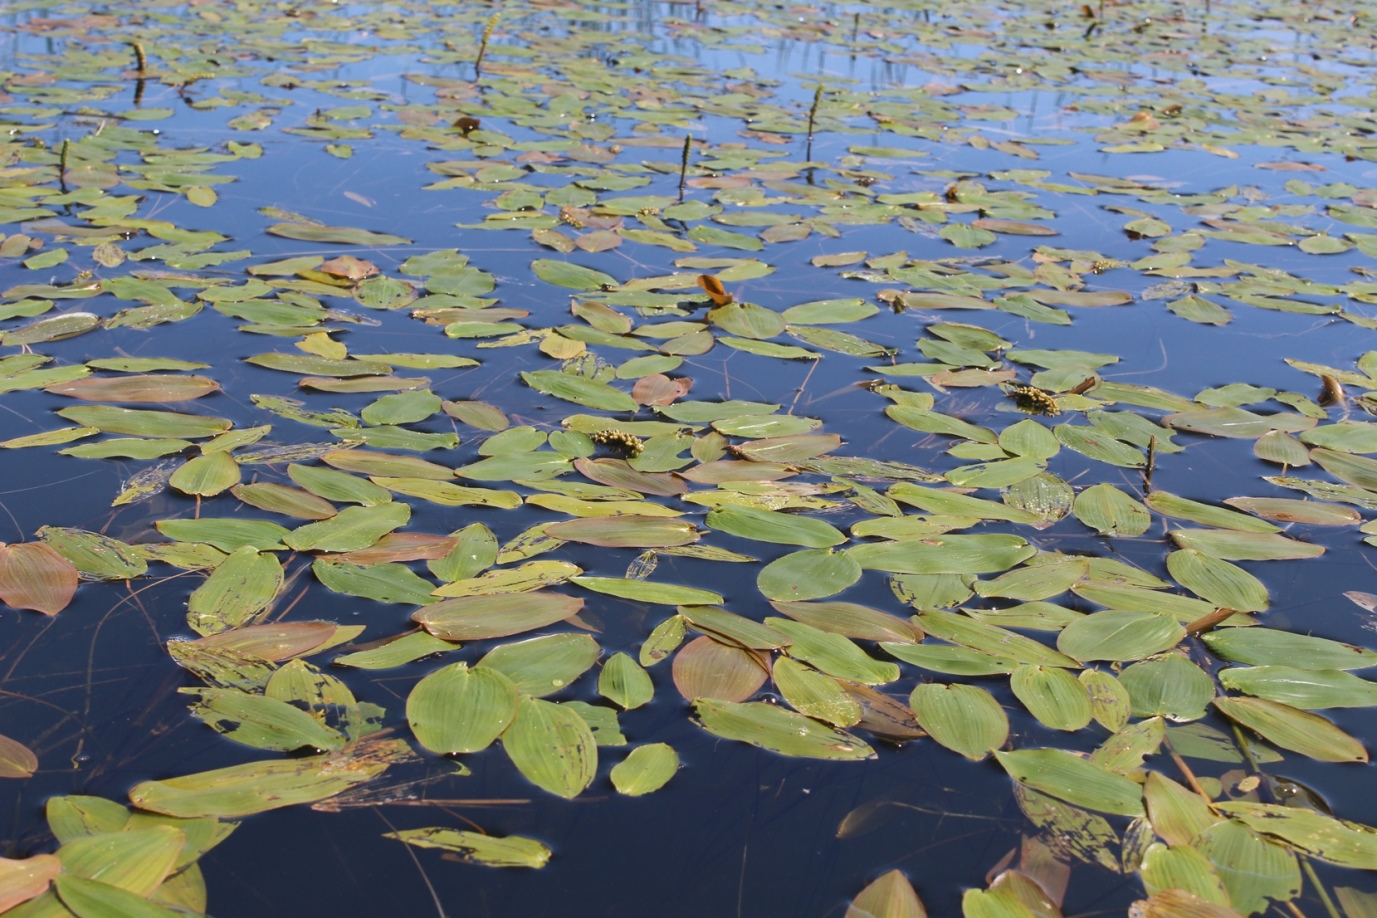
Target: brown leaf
349	268
34	576
714	289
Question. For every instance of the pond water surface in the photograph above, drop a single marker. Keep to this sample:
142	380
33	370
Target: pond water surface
951	421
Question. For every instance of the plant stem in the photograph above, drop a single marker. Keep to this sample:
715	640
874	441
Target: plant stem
62	164
812	120
483	46
140	58
1328	903
683	163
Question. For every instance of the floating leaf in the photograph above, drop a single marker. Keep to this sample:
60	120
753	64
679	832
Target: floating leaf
1301	688
1110	511
543	665
1054	696
706	668
1266	646
457	709
351	529
577	277
16	761
778	730
890	896
1291	728
813	573
1219	582
253	787
240	587
471	618
1170	686
964	718
307	232
34	576
552	746
623	682
1073	779
1119	635
1244	546
647	769
628	531
771	526
264	723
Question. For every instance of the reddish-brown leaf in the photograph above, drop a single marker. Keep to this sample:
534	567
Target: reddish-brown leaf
705	668
16	759
23	880
150	389
349	268
33	576
659	389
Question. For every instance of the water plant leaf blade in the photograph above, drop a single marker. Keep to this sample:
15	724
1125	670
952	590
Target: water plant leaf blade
627	531
472	618
477	848
575	277
241	587
1073	779
1169	685
580	390
1267	646
458	709
772	526
1301	688
135	860
1055	697
552	746
16	759
965	718
625	683
1294	729
264	723
26	878
669	594
154	389
92	898
773	728
889	896
253	787
543	665
1119	635
706	668
647	769
1217	581
1109	511
352	529
1337	841
813	573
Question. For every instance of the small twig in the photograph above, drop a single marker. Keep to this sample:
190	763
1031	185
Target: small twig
683	164
483	46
